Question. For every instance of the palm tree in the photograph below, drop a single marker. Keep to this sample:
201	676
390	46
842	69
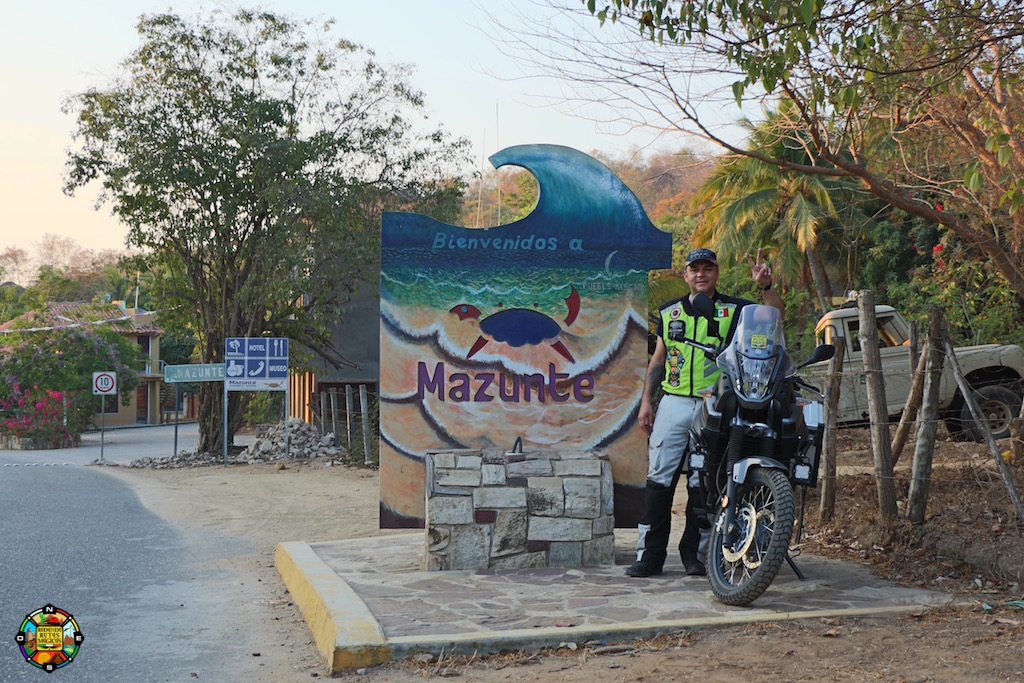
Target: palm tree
799	218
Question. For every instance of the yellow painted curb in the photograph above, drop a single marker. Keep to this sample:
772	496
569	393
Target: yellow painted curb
344	630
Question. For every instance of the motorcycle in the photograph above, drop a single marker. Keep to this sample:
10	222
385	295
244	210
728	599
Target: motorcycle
756	439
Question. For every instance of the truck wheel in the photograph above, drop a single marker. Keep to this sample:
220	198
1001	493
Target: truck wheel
999	405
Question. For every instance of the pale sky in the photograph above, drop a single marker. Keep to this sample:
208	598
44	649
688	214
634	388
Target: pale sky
51	50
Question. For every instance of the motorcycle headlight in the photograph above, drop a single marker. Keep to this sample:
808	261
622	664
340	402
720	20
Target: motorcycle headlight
755	376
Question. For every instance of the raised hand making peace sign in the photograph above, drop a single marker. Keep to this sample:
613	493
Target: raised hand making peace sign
761	271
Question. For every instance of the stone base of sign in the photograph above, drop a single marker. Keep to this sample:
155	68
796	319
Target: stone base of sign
494	509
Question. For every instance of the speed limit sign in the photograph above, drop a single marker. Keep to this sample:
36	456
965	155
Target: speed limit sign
104	383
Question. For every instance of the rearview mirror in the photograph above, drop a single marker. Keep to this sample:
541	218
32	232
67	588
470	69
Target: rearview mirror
820	353
703	305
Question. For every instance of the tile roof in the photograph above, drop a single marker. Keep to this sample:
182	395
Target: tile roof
76	313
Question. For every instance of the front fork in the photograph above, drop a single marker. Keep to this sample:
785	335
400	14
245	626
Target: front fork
734	453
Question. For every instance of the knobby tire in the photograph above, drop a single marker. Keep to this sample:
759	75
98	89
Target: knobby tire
775	506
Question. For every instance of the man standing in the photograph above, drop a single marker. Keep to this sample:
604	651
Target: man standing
683	371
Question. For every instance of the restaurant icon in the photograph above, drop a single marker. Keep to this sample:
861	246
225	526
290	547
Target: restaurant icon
49	638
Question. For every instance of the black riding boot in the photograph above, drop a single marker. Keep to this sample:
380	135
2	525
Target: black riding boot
690	542
654	528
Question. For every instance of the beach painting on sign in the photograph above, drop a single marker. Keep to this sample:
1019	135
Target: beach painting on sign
536	330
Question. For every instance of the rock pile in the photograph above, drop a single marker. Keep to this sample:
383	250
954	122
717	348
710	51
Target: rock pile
182	459
304	442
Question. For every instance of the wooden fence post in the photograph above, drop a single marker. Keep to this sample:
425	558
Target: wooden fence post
1017	435
910	408
323	418
348	418
877	409
365	412
924	448
334	413
915	345
827	503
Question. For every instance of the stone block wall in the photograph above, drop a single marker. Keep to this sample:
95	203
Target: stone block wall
14	443
494	509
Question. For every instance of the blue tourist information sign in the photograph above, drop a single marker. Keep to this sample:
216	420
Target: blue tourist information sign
256	363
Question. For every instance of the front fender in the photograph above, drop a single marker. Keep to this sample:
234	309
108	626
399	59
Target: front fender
740	469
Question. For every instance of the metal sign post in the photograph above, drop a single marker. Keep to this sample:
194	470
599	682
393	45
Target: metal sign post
224	424
177	402
103	383
193	372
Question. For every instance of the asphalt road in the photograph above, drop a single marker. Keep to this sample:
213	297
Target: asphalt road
155	602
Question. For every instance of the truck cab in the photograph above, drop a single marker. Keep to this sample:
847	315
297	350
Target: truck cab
893	346
994	371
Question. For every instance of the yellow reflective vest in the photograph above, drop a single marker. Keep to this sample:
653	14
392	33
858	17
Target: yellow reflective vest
688	369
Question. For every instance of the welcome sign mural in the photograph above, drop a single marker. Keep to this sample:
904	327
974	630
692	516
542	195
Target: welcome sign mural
535	330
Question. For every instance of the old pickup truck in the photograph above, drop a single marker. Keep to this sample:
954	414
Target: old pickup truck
994	371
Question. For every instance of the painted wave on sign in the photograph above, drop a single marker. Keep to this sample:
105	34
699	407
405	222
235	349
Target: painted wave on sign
585	216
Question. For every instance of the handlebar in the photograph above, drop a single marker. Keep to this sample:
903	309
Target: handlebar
806	385
706	348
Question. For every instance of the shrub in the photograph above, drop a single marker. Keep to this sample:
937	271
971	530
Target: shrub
46	418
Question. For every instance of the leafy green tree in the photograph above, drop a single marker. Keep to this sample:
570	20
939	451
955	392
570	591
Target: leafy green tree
64	359
52	284
936	81
891	252
11	304
176	348
250	159
982	307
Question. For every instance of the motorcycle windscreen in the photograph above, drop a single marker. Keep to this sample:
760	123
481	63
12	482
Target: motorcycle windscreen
757	354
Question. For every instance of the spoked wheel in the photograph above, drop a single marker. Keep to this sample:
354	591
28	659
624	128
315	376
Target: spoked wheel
743	569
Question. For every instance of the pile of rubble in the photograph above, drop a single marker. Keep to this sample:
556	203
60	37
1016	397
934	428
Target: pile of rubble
304	443
182	459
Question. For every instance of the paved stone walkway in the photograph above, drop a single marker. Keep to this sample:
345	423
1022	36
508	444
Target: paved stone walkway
487	610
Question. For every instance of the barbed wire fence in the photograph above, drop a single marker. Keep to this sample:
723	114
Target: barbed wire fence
921	416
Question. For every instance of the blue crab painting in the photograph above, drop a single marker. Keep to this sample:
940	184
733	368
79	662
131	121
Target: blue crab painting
520	326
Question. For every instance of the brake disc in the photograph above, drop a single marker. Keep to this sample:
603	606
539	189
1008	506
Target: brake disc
753	560
746	523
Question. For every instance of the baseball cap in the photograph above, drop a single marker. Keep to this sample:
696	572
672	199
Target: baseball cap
701	254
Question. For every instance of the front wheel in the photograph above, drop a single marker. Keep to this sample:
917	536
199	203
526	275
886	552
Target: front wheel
743	569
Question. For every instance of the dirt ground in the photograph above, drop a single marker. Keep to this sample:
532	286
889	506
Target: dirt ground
971	545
